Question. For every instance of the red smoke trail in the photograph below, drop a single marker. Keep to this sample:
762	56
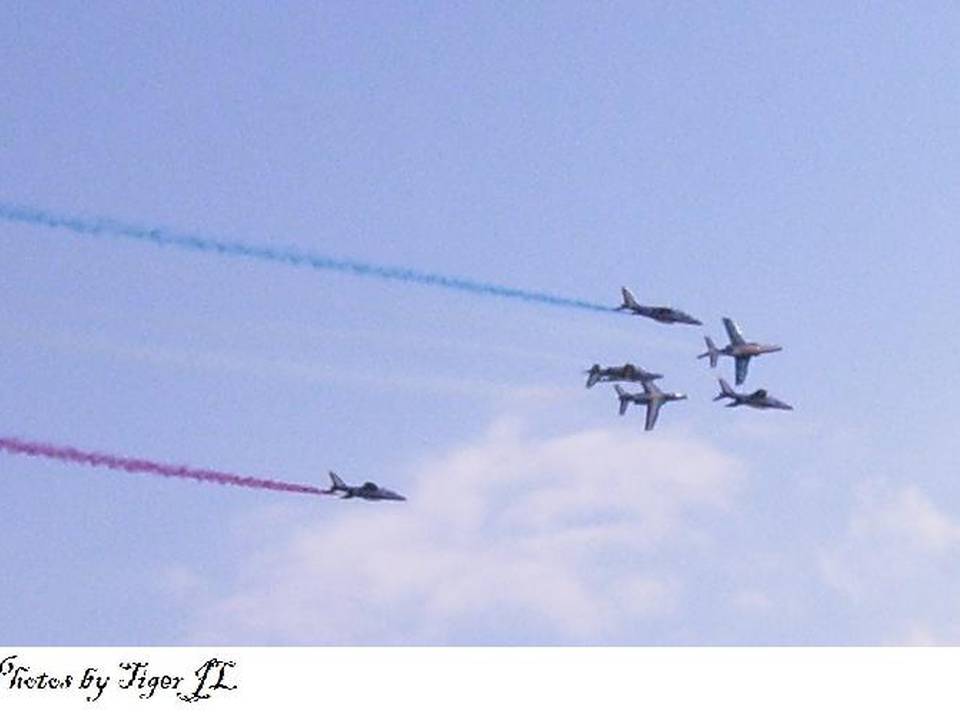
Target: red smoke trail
133	465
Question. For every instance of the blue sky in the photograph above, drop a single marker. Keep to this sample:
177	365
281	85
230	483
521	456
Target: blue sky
794	168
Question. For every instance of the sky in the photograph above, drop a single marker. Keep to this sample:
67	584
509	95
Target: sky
795	168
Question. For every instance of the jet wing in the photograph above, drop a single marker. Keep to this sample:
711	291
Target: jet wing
653	409
733	332
741	365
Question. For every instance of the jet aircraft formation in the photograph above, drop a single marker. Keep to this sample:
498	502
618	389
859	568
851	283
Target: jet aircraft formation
653	397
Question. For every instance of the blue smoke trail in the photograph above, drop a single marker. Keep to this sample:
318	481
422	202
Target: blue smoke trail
103	226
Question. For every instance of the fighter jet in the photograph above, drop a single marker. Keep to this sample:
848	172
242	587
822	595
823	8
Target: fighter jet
652	396
626	373
367	491
660	314
739	349
757	399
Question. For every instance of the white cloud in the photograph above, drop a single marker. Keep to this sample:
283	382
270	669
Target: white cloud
895	566
906	515
891	533
511	539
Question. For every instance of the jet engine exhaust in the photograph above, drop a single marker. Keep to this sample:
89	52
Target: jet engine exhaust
148	467
112	228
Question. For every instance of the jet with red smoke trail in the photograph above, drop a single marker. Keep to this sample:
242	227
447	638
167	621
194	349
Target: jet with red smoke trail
367	491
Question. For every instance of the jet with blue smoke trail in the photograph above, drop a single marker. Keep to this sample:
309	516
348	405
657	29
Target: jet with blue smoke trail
661	314
104	227
367	491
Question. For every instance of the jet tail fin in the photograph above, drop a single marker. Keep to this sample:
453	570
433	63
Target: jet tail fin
712	352
629	301
624	398
725	390
336	483
593	375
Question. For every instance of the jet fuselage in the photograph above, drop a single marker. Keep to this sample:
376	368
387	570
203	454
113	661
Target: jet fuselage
375	493
666	315
647	398
750	349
